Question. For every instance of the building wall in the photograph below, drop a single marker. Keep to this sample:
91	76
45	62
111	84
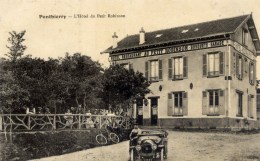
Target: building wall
195	115
238	38
199	82
195	76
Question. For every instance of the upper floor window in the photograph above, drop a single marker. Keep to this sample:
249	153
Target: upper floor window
153	70
154	66
178	68
213	64
127	66
244	36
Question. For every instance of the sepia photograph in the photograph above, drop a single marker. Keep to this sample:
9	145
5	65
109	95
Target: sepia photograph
137	80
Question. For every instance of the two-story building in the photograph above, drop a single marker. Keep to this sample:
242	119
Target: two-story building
202	75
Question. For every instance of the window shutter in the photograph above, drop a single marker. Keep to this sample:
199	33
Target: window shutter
131	66
170	104
146	70
248	105
254	73
242	68
204	103
221	102
249	73
160	70
185	67
204	68
185	103
170	68
221	63
237	66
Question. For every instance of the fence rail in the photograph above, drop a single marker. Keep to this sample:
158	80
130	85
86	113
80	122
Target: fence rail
34	122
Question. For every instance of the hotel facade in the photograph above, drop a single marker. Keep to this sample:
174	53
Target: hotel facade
202	75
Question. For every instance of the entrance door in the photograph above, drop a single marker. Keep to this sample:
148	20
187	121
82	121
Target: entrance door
154	111
139	104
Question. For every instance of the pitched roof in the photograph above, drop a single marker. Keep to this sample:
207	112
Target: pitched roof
199	30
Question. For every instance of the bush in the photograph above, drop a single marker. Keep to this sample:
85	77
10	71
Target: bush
27	146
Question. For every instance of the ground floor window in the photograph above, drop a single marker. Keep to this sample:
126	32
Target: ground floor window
213	102
177	103
239	103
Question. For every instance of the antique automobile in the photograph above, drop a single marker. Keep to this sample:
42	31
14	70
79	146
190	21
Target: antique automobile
149	145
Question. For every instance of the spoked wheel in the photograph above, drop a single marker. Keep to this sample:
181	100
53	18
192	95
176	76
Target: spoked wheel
162	155
101	139
114	137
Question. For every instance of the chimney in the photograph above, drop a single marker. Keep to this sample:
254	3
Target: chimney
142	36
114	40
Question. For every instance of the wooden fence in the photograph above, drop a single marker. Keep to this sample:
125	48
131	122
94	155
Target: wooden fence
34	122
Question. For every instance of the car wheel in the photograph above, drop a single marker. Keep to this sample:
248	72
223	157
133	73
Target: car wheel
162	154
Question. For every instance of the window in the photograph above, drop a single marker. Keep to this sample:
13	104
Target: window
178	68
244	36
153	70
239	103
178	103
251	73
127	66
213	64
239	67
213	102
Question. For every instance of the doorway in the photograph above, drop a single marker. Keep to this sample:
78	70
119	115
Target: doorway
154	111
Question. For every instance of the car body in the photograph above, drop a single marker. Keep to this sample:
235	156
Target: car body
149	145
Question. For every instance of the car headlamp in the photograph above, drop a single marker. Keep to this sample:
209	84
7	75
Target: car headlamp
138	147
157	140
154	147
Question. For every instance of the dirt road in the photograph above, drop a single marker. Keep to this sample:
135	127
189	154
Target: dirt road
183	146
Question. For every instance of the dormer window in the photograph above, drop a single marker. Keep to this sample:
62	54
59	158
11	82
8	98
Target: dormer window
184	31
197	29
158	35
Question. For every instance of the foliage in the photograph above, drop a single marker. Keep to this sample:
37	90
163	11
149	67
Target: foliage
16	49
122	86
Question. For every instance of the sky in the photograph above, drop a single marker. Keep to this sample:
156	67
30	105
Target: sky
90	36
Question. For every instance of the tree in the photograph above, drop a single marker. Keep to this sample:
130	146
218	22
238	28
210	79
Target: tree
122	86
12	96
83	80
16	48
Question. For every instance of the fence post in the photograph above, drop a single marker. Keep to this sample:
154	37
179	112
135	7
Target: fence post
54	122
79	122
1	123
100	121
29	122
